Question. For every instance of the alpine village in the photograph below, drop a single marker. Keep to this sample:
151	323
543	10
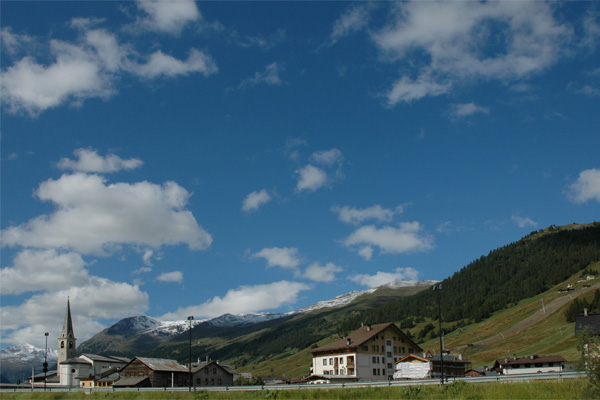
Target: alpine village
522	309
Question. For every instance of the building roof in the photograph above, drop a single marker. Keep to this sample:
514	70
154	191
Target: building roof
160	364
529	360
434	358
358	338
76	360
67	331
589	323
107	359
131	381
226	368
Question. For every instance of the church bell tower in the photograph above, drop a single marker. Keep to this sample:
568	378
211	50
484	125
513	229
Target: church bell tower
66	341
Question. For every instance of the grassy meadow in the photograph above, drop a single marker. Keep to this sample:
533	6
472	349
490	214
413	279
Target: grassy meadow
567	389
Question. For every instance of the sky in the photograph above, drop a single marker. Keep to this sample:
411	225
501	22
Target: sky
180	158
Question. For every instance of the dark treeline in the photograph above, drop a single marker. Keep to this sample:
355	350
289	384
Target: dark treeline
502	278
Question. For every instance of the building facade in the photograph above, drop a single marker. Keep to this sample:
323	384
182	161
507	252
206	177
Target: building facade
369	354
158	372
211	373
529	365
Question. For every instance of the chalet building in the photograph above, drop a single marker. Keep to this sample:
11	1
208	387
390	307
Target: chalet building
153	372
429	365
529	365
211	373
369	354
104	380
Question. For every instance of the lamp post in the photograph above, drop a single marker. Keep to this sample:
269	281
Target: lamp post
438	288
46	360
190	319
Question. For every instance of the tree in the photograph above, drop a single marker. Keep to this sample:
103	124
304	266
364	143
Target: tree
589	348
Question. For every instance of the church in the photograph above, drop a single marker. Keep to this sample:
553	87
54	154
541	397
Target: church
74	370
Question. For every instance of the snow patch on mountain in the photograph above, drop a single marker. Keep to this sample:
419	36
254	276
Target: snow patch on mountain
26	353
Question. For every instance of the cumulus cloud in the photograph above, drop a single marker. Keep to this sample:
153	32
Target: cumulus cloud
457	42
284	257
244	300
381	278
168	16
174	276
89	67
255	199
405	238
523	222
310	178
352	20
464	110
586	187
97	299
269	76
161	64
355	216
93	216
88	160
321	273
43	270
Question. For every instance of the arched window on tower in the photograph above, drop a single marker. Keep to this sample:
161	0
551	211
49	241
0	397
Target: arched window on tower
70	345
62	344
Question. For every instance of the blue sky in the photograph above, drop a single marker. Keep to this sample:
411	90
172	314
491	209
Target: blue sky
181	158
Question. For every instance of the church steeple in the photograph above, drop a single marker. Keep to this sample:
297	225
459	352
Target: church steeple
66	341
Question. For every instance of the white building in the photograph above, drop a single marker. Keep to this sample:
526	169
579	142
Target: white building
529	365
367	354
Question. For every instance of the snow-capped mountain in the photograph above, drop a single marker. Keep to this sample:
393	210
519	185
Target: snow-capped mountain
20	359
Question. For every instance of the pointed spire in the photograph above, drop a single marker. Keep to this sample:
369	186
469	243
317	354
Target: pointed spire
67	331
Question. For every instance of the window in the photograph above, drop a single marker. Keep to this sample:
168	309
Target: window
324	361
365	348
373	348
390	366
551	364
331	361
62	344
383	373
374	371
70	345
388	342
206	370
539	365
389	354
341	360
374	360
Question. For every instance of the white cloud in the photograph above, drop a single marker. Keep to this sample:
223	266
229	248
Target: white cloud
407	90
381	278
321	273
366	252
255	199
174	276
98	298
284	257
161	64
269	76
391	240
467	109
88	160
355	216
523	222
85	69
141	270
147	257
310	178
352	20
328	157
43	270
168	16
464	41
587	187
95	217
244	300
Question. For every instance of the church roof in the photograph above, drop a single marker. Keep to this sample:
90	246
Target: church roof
67	331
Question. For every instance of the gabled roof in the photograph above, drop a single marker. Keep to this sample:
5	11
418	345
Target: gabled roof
413	357
359	337
159	364
76	360
529	360
107	359
132	381
205	364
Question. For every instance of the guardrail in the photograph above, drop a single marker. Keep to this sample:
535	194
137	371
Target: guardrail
413	382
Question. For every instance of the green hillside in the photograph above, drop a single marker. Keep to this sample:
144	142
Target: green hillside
491	308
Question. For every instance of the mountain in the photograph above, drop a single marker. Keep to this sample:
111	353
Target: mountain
16	362
140	335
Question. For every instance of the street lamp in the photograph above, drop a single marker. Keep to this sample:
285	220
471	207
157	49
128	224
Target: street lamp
190	319
438	287
46	360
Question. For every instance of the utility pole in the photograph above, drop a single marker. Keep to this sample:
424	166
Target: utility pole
190	319
46	361
438	288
